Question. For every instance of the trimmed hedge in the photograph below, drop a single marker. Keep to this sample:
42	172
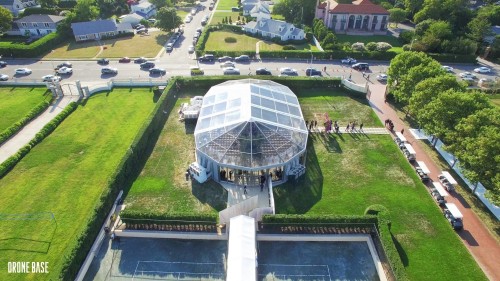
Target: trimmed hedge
8	164
10	131
126	171
169	221
35	49
385	235
348	220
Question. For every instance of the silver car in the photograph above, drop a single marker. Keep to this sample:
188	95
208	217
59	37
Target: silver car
231	71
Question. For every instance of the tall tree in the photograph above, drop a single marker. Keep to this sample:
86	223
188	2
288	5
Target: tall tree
5	19
478	28
167	19
296	11
85	10
397	15
412	6
48	3
441	115
161	3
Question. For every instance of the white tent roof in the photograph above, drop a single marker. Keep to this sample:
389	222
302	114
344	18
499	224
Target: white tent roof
454	210
242	259
449	178
424	168
440	189
410	148
401	137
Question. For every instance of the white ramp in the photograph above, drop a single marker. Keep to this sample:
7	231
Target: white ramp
242	256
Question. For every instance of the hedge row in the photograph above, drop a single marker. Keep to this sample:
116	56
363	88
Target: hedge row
10	131
385	235
135	217
35	49
294	83
347	220
126	171
8	164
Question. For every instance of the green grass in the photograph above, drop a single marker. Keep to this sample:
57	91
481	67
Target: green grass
161	186
65	175
495	99
136	46
17	102
347	173
218	16
215	42
226	4
396	45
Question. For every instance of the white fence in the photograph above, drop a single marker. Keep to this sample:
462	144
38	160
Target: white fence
17	82
108	86
355	87
242	208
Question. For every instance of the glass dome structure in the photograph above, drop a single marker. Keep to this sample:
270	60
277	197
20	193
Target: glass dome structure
250	125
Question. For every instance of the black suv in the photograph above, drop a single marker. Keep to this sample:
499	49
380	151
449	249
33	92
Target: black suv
361	66
242	58
3	64
313	72
148	64
103	61
262	71
140	60
207	57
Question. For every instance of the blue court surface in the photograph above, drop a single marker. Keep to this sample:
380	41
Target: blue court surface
159	259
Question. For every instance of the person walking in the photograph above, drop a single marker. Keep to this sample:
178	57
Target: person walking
347	128
361	127
245	190
402	131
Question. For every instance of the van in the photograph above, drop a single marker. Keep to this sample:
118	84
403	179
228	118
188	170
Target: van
361	66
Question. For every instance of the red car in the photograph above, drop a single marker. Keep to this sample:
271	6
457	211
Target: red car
125	59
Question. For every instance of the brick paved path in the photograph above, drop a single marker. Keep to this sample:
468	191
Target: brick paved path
476	237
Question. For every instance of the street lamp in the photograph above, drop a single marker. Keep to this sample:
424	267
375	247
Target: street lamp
411	45
310	65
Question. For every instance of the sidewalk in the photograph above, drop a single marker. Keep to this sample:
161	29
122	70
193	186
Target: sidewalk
29	131
475	236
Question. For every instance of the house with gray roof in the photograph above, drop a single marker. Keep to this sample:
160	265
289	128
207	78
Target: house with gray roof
17	6
133	18
144	9
260	11
99	29
274	29
35	25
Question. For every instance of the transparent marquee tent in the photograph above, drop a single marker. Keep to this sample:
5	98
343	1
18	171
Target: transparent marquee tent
250	125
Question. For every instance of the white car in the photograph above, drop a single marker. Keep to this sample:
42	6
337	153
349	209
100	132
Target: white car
191	49
169	47
227	64
288	71
467	75
448	68
109	70
469	80
188	19
193	11
482	69
348	61
4	77
382	77
51	78
65	70
23	71
231	71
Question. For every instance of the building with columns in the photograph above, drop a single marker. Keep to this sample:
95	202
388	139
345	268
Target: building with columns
361	17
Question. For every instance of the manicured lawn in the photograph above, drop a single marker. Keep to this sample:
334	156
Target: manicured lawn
218	16
65	175
226	4
346	174
162	187
136	46
495	99
397	46
182	14
243	43
19	101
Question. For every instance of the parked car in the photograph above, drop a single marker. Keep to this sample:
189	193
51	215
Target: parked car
467	75
139	26
140	60
348	60
169	47
423	176
204	21
242	58
51	78
225	58
142	31
235	9
103	61
227	64
288	71
207	57
382	77
148	64
3	64
191	49
109	70
211	6
482	69
447	68
64	70
188	19
199	29
4	77
231	71
124	60
153	21
65	64
263	71
157	70
361	66
312	72
469	81
23	71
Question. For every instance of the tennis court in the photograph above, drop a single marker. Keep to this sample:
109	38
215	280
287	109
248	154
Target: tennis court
315	261
142	259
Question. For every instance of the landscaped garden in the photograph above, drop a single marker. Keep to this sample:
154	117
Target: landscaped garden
136	46
218	16
397	46
17	102
65	175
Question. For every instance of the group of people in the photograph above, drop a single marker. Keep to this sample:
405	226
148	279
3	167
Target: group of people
311	124
352	126
389	124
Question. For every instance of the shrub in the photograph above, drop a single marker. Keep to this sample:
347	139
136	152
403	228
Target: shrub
406	36
289	47
371	46
383	46
37	48
359	47
230	40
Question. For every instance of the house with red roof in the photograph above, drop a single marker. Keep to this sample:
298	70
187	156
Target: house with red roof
361	17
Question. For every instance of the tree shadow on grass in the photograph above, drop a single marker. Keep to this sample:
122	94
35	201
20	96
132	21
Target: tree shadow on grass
401	251
329	141
210	193
298	197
